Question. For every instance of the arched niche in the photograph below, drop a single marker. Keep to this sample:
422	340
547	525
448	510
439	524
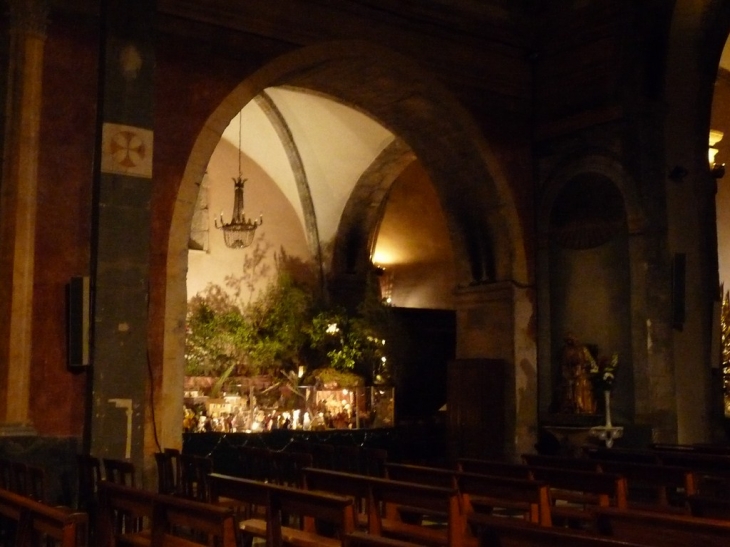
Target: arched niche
590	249
589	270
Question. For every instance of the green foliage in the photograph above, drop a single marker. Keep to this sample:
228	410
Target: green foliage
214	327
328	377
355	343
277	324
285	327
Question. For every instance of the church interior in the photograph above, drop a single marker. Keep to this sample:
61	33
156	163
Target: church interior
537	186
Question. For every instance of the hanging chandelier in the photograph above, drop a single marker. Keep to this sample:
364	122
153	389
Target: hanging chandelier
240	231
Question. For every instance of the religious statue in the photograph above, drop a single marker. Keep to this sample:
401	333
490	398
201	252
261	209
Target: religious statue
576	364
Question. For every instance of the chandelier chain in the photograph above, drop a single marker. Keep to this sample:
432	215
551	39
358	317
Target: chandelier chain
240	173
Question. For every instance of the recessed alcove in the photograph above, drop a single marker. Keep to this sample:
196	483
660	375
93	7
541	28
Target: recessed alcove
589	286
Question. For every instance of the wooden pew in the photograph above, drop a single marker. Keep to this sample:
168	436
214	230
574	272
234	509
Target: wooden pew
255	462
310	508
622	454
563	462
494	468
286	467
527	498
124	516
575	494
709	507
498	532
655	487
161	520
655	529
393	496
432	476
712	471
180	522
35	520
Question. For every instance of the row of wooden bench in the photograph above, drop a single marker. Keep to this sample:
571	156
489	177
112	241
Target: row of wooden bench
386	515
353	506
712	470
289	516
532	496
650	487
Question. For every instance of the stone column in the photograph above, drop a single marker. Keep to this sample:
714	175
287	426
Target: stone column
495	321
18	193
121	238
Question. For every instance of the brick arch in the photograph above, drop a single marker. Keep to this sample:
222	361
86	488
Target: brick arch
482	220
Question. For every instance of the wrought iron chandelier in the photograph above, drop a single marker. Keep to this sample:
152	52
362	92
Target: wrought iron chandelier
240	231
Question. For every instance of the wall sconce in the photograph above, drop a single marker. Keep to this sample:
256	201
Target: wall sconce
717	170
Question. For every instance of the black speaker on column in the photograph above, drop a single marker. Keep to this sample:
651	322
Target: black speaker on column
77	322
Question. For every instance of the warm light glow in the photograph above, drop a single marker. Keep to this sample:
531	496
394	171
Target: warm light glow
301	371
383	257
715	137
332	328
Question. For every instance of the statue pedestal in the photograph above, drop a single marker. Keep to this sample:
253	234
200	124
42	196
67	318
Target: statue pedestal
567	434
571	438
607	434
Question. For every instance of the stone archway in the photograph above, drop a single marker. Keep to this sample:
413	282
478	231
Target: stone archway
486	233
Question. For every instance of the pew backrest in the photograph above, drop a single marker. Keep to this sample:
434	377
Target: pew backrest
203	523
124	511
32	517
525	495
393	496
709	507
499	532
278	500
585	487
561	462
529	497
712	471
494	468
157	517
661	487
655	529
432	476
